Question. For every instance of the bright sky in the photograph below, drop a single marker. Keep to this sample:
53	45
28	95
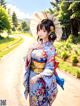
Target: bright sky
25	8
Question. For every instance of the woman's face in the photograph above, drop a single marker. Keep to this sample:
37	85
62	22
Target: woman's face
42	33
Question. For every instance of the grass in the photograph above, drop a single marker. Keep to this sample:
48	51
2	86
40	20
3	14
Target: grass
8	44
7	41
70	49
67	67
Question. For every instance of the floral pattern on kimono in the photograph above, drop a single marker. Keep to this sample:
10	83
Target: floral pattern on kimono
44	90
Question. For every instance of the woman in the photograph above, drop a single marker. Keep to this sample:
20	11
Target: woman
40	81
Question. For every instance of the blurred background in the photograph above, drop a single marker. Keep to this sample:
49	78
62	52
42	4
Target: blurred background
16	37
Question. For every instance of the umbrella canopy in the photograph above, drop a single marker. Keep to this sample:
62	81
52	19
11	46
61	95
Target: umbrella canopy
36	19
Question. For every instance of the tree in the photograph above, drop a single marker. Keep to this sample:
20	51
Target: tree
75	16
68	13
25	26
5	20
69	16
14	20
3	3
64	17
56	7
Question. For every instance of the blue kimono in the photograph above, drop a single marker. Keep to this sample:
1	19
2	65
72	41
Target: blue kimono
44	91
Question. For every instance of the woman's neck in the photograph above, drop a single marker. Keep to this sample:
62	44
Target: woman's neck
45	40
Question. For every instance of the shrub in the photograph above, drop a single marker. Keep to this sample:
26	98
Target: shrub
76	39
74	59
79	38
64	55
70	39
13	29
69	68
78	51
1	37
67	45
78	74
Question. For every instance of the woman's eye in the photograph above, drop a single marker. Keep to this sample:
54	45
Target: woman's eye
44	31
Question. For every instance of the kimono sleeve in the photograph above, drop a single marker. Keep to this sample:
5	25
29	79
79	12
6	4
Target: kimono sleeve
49	67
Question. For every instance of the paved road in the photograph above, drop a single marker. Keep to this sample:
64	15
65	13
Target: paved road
11	78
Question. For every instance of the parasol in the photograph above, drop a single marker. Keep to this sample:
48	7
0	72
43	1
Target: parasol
36	19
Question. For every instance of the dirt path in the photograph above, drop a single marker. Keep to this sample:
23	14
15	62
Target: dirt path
71	95
11	78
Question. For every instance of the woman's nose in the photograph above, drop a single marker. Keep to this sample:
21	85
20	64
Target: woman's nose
39	33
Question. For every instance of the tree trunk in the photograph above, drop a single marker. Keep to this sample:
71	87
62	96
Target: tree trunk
74	24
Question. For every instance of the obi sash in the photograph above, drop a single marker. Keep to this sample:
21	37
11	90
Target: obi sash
37	66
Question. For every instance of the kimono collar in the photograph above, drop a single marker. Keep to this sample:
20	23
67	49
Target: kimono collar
47	43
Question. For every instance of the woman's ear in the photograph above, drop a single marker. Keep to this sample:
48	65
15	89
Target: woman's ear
52	29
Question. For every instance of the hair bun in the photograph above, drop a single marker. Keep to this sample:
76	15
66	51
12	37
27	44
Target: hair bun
52	36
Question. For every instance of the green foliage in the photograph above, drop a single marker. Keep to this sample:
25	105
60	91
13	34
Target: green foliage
78	39
3	3
75	15
78	50
50	11
14	20
64	55
78	74
64	17
70	39
56	8
67	46
10	44
24	26
69	15
69	68
73	39
75	7
64	13
13	29
5	20
1	37
71	53
55	5
74	59
67	49
19	28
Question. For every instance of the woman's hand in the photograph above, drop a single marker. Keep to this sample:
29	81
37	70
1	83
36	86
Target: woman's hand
34	79
36	45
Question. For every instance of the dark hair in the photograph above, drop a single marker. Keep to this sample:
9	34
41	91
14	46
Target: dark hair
47	23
